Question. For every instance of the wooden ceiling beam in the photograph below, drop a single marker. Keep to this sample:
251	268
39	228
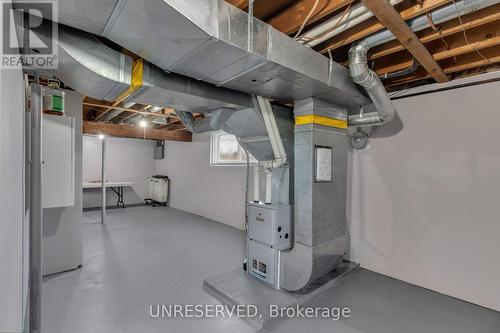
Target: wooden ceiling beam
373	25
289	20
265	9
390	18
92	127
465	62
238	3
164	115
479	38
470	21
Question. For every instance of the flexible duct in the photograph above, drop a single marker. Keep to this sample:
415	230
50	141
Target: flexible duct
362	75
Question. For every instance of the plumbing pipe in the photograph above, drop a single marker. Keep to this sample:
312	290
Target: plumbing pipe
362	75
269	179
256	180
358	13
273	134
414	66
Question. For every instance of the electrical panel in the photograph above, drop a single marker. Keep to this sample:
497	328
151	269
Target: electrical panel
159	150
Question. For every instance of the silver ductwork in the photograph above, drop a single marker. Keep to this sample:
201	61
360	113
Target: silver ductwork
211	40
93	69
382	109
320	204
368	79
213	121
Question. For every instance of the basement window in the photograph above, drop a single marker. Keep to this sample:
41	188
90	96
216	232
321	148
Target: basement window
225	150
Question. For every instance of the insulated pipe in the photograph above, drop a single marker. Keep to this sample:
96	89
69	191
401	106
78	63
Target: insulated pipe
269	180
213	122
357	14
362	75
256	179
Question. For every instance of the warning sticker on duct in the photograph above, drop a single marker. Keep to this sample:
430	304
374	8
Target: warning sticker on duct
323	164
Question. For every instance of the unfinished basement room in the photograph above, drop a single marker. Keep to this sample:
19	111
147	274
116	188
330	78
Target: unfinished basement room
246	166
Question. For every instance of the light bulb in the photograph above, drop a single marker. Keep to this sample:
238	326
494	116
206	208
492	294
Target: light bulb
101	136
143	123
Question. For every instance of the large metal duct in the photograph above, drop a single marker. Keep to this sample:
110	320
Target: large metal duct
382	109
210	40
213	121
320	205
93	69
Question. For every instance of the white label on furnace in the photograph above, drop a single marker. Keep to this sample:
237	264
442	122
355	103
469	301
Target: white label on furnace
323	164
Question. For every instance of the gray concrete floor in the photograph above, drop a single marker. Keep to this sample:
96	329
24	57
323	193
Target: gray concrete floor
146	255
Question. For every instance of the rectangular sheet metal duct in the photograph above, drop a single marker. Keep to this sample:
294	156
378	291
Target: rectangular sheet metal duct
209	40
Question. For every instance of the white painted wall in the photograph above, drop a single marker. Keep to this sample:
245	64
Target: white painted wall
11	199
215	192
127	160
425	203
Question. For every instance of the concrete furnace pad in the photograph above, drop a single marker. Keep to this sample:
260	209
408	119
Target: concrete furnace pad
235	287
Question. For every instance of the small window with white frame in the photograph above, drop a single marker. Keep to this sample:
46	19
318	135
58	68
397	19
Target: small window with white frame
225	150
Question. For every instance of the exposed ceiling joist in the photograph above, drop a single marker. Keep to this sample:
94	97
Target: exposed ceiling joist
373	25
478	39
165	115
108	109
91	127
464	62
238	3
289	20
390	18
448	28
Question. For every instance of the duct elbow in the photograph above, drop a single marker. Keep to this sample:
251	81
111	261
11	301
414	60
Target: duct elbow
366	78
213	122
186	119
303	264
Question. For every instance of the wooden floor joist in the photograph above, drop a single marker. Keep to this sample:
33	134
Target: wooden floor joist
91	127
464	62
163	115
391	19
470	21
238	3
292	18
478	38
373	25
